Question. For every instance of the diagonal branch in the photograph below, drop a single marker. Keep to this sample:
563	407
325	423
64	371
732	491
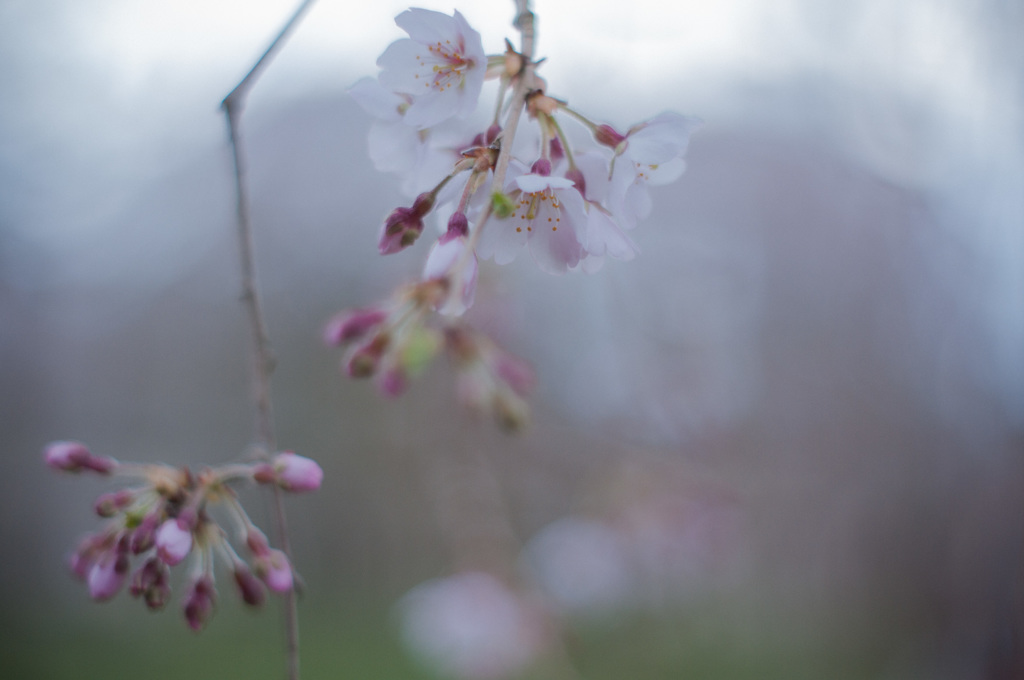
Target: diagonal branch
262	360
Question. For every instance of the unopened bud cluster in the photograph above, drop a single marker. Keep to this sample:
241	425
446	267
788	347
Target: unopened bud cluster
163	519
393	343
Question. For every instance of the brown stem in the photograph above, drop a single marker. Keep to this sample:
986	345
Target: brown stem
525	23
263	360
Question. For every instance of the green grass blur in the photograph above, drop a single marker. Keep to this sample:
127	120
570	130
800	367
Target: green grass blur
357	638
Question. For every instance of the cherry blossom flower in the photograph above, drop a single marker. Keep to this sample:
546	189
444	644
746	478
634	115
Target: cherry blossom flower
603	233
449	259
419	157
441	65
651	153
548	218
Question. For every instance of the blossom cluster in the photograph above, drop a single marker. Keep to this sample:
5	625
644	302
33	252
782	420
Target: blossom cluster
164	518
571	200
394	342
490	189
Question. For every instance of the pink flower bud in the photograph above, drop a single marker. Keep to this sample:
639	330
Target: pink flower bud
542	167
297	473
515	373
151	582
275	570
606	135
144	535
173	541
107	574
401	229
557	151
393	382
248	585
458	225
109	504
199	603
263	473
86	554
352	324
423	204
365	359
75	457
67	456
257	542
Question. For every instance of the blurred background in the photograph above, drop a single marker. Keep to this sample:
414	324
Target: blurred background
786	441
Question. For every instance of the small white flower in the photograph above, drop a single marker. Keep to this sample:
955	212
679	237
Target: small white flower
549	219
450	252
651	154
441	65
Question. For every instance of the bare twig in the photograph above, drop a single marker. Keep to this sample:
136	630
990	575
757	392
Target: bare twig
263	360
237	95
525	23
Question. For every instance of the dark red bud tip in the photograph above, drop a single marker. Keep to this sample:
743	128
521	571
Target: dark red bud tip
151	582
606	135
249	587
458	225
542	167
199	603
144	535
352	324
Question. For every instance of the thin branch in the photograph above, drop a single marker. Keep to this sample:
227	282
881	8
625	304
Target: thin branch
242	89
525	22
262	360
